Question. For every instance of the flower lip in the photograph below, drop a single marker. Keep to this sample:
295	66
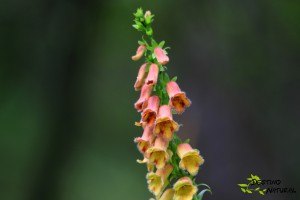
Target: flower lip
158	153
164	124
145	141
150	109
139	52
161	56
178	99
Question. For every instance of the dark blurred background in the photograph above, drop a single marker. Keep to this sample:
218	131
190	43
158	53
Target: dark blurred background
66	104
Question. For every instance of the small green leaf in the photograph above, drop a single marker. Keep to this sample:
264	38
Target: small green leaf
161	68
167	78
188	141
153	55
174	112
161	44
174	78
200	195
243	190
249	191
153	43
261	192
243	185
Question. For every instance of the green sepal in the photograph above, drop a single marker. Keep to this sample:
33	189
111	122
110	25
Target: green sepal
200	195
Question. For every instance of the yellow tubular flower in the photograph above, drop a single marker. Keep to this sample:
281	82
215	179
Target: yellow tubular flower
158	153
159	180
184	189
190	158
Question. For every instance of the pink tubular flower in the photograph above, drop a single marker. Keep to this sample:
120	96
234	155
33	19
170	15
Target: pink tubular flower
145	141
184	189
190	158
139	52
158	181
158	153
152	75
178	100
141	77
150	110
161	56
164	123
145	94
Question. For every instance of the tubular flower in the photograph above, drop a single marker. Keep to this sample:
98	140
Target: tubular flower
161	56
141	77
150	110
158	180
178	100
184	189
139	52
152	75
164	123
145	141
190	158
145	94
167	195
158	153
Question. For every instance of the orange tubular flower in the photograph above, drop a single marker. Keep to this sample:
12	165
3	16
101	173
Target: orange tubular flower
145	94
150	110
158	153
178	100
167	195
164	123
159	180
161	56
152	75
139	53
141	77
145	141
190	158
184	189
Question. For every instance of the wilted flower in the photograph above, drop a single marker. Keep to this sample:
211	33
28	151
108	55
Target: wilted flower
178	100
158	180
140	77
139	52
145	94
158	153
161	56
190	158
164	124
184	189
150	110
152	75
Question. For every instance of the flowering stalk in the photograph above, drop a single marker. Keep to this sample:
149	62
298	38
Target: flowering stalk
172	164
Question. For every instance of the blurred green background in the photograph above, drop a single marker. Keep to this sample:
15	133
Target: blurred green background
66	106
